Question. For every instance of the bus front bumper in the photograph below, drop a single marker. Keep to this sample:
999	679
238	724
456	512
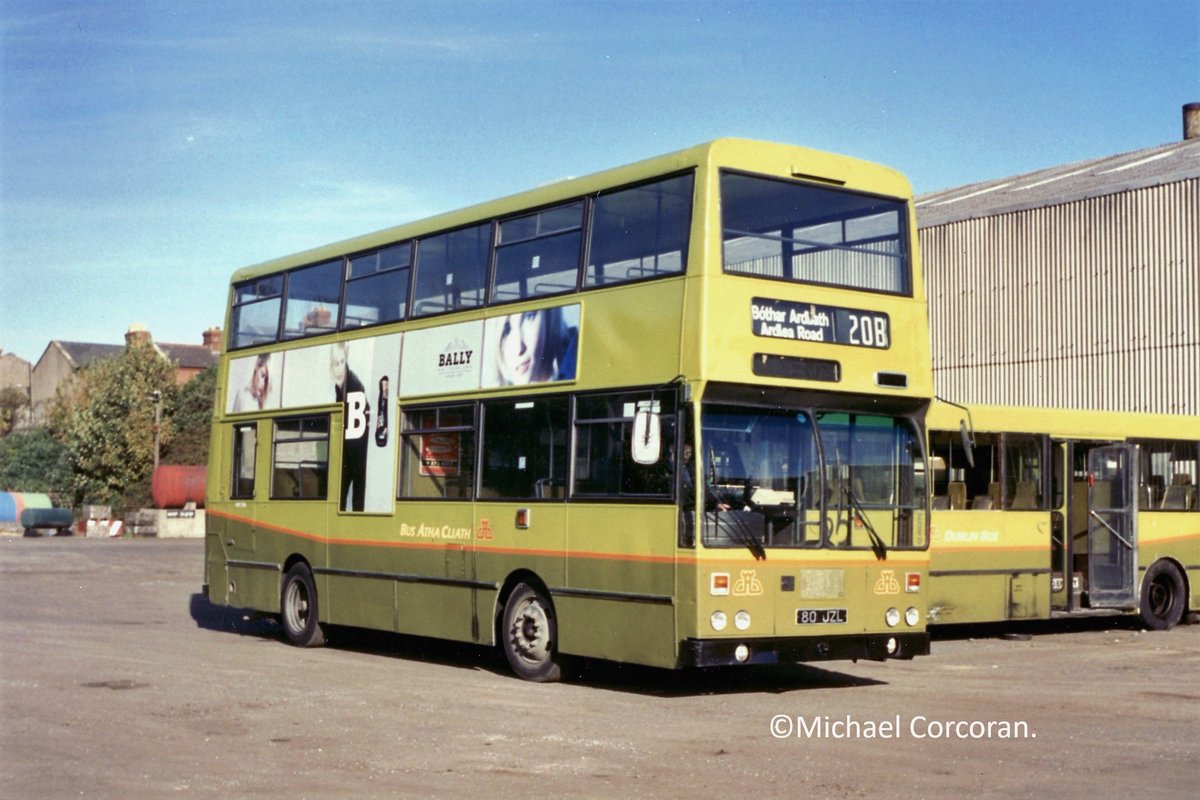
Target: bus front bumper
868	647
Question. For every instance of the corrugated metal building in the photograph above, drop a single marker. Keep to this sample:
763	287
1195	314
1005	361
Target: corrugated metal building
1075	287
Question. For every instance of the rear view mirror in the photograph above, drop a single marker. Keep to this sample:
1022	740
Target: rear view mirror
646	447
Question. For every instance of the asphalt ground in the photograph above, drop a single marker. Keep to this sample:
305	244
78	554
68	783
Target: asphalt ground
118	680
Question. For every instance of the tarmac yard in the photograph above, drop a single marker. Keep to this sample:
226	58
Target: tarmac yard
118	680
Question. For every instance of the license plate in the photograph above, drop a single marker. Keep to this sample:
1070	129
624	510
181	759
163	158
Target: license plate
820	616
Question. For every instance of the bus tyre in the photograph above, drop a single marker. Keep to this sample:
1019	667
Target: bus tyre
298	608
529	635
1163	596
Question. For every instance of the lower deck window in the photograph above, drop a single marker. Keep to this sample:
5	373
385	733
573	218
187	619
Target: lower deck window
300	458
1007	474
438	449
604	465
245	451
525	449
1168	476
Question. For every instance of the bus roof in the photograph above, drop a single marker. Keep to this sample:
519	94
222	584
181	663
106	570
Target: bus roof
746	154
1065	422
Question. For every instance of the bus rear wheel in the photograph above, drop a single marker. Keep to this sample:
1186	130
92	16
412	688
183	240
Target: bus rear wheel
298	608
529	634
1163	596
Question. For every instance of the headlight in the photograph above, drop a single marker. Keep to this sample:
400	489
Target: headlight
912	617
892	617
718	620
741	620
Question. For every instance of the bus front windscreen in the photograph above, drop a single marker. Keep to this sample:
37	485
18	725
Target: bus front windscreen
796	479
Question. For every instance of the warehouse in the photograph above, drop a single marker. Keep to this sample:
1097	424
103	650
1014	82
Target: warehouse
1076	286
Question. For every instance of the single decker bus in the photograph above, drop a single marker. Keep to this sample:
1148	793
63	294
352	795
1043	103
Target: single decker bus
1061	513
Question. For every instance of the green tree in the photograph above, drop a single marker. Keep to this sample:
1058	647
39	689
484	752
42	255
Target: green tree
34	461
191	422
105	417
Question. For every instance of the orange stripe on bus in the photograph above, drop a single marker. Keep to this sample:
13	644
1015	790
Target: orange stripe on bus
709	560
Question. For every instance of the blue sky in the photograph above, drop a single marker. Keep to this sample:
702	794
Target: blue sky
148	149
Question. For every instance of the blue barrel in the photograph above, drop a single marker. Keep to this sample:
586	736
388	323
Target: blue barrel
8	507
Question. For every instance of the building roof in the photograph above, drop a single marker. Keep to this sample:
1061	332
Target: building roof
187	356
80	354
1057	185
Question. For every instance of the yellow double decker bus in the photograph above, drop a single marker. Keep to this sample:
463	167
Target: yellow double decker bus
1061	513
669	414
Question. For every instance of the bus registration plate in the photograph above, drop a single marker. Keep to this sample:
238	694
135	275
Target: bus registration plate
820	616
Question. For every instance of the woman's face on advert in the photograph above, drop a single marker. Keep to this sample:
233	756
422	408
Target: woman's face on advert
520	341
261	378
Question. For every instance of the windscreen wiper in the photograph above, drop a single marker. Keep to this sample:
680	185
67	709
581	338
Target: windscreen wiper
741	531
877	544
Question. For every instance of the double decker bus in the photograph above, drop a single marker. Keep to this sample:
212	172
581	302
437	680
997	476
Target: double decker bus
1061	513
669	414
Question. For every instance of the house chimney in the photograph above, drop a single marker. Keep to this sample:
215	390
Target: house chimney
212	339
1191	121
137	333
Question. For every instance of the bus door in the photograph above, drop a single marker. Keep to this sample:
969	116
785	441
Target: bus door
1062	579
1112	526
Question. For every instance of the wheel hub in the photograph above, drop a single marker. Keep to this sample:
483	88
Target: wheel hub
529	633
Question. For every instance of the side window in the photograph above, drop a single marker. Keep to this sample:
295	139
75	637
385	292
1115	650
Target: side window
1168	475
245	451
604	466
1023	477
524	449
300	458
314	298
538	254
452	270
957	486
640	232
256	311
438	446
377	286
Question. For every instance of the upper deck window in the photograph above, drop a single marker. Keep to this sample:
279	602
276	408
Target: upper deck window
452	270
539	253
377	286
314	299
256	311
640	232
813	234
633	233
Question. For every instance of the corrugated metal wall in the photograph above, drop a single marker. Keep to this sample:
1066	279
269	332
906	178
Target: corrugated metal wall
1091	304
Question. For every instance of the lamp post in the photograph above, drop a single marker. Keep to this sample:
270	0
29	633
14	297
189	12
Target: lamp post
156	397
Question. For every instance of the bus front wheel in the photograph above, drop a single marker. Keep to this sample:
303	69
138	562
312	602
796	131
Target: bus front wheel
529	634
1163	596
298	608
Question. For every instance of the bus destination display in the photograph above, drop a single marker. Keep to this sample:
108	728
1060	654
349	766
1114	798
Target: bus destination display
808	322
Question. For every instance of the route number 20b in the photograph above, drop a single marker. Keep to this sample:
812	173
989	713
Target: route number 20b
867	330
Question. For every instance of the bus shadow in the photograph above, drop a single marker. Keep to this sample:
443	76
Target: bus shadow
225	619
758	679
606	675
1027	629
